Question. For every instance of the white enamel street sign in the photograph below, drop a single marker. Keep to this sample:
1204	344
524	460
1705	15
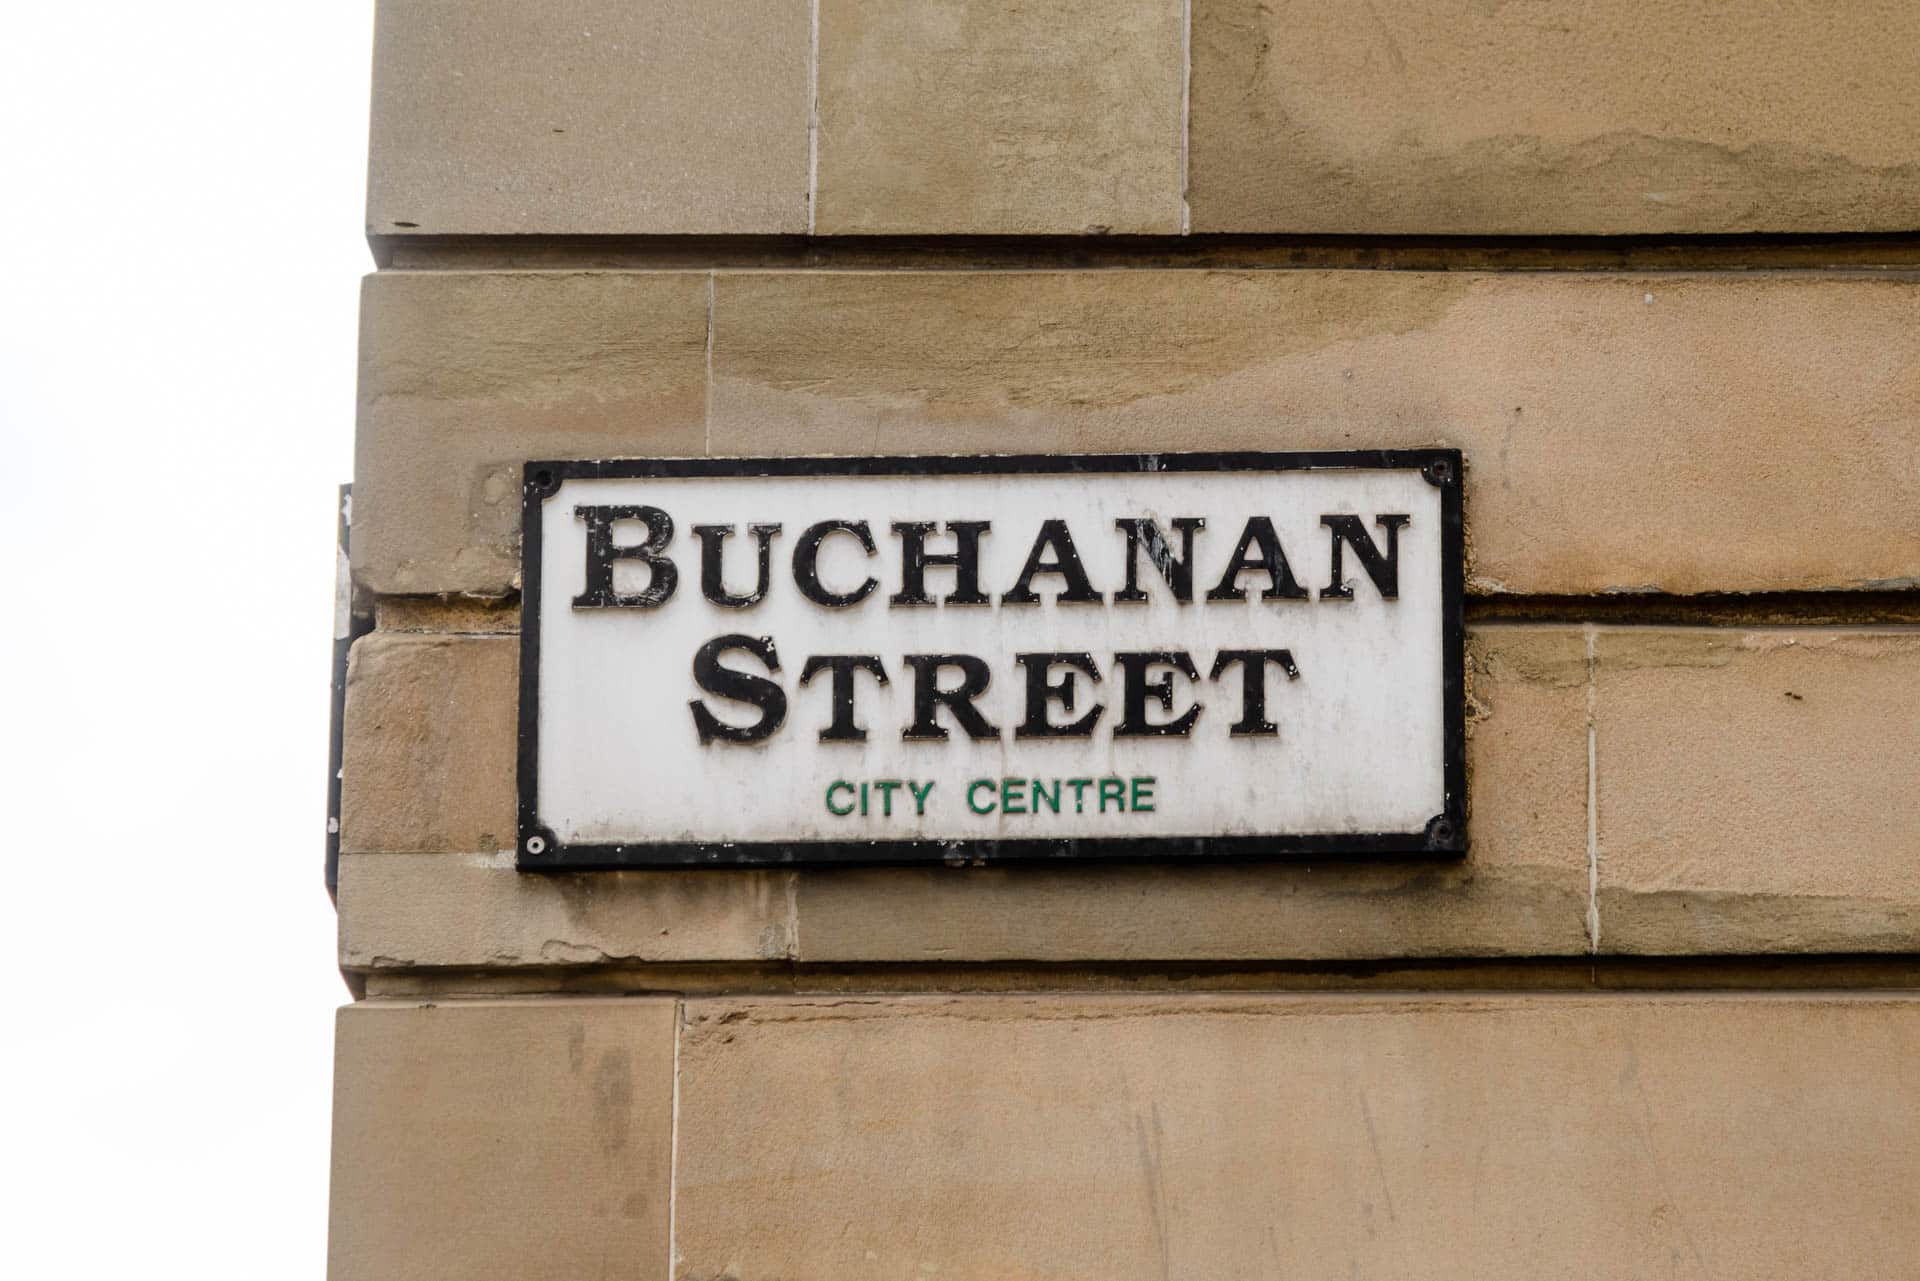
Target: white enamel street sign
867	660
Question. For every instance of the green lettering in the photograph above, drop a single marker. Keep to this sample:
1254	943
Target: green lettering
1079	786
1040	794
863	800
920	795
1013	796
886	786
831	808
975	786
1143	795
1112	789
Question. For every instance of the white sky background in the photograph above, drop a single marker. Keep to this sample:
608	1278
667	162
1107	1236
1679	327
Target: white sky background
181	206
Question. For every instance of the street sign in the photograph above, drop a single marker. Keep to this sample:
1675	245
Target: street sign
799	661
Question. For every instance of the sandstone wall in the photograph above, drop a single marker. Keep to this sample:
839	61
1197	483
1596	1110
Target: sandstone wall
1653	267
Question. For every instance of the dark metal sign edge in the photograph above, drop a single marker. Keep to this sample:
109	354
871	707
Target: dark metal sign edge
1443	836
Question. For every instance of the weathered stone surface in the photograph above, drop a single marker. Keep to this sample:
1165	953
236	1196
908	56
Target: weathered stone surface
1555	116
1623	433
466	376
495	117
530	1141
1373	1137
420	777
993	116
1522	890
1756	794
468	614
1731	434
462	911
1758	791
429	745
428	879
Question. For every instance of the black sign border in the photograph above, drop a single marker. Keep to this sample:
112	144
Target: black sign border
1443	836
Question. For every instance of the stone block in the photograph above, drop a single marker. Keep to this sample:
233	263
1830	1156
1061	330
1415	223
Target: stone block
483	1140
1640	117
1755	795
428	877
466	376
998	117
1521	891
422	777
473	911
430	743
1758	791
1623	433
1119	1138
590	117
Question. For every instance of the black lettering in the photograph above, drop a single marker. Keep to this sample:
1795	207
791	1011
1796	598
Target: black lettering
742	687
928	697
1053	536
806	563
915	558
1178	571
602	552
843	666
1384	570
1271	561
1253	685
1136	688
711	537
1041	691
